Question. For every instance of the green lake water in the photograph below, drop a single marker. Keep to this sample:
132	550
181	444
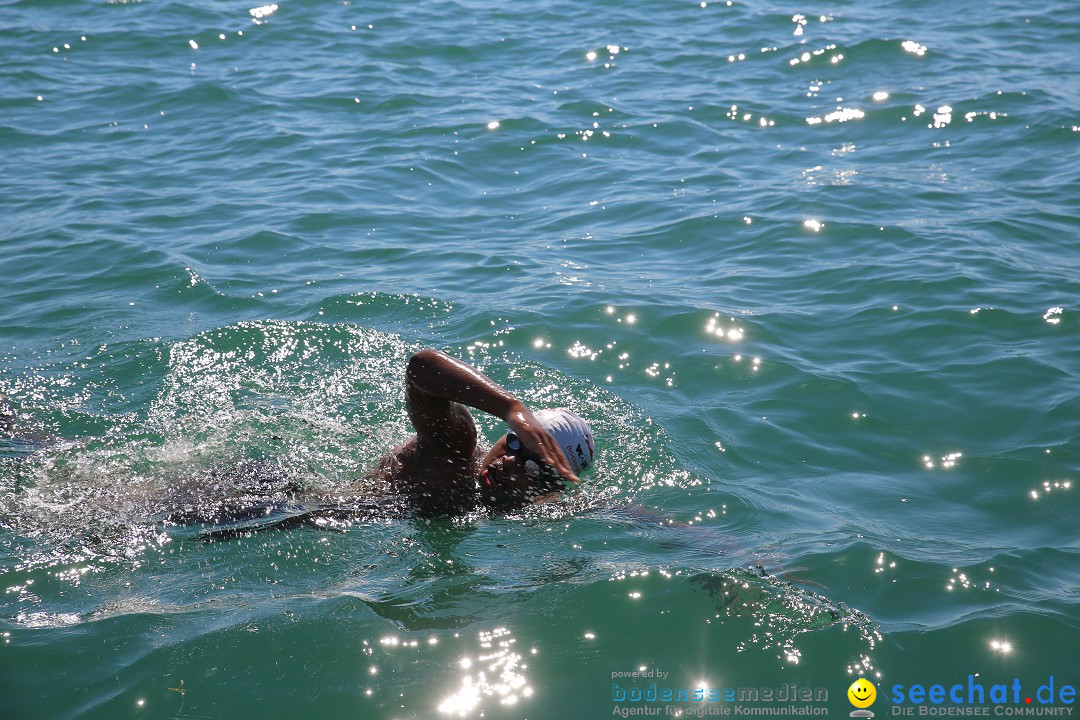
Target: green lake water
810	271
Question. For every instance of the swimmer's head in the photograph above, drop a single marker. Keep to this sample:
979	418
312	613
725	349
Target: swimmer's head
573	434
510	467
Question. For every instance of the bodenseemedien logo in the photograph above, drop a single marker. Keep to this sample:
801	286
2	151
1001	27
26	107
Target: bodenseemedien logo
862	694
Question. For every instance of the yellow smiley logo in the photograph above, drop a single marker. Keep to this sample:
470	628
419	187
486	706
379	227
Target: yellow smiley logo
862	693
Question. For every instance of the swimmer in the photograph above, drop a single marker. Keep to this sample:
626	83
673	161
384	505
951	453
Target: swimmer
444	468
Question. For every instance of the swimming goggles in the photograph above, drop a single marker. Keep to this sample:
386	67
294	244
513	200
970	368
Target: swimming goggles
536	469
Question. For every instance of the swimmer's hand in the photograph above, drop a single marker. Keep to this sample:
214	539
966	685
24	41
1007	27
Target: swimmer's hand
533	436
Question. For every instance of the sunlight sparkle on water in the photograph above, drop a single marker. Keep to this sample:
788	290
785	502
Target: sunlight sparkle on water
881	564
1050	487
838	115
913	47
731	333
498	676
1002	646
947	461
579	350
943	116
263	11
963	581
806	57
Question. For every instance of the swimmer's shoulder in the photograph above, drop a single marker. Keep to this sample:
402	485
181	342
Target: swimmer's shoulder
411	468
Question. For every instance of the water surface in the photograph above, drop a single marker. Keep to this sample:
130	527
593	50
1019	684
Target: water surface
809	271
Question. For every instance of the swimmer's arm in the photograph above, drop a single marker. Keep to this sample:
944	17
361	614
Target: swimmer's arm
442	378
433	378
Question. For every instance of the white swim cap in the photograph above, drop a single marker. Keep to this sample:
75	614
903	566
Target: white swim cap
573	434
